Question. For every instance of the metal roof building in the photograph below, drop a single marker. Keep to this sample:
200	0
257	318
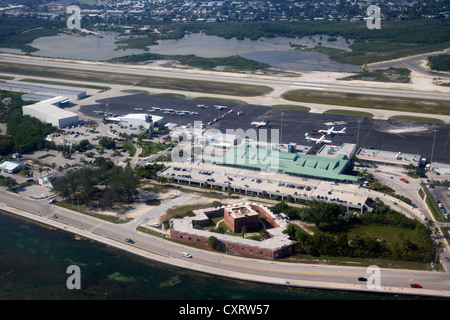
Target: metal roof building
311	166
42	90
11	166
388	158
138	119
48	111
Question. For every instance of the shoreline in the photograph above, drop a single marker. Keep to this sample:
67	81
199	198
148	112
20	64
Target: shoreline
212	270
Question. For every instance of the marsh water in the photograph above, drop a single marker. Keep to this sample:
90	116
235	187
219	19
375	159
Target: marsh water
276	52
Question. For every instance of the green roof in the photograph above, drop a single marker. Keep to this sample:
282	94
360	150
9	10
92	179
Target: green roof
291	163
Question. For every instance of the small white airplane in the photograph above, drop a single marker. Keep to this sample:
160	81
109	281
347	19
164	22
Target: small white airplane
259	124
332	131
220	107
202	106
319	140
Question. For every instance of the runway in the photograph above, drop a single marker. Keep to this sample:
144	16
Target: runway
279	84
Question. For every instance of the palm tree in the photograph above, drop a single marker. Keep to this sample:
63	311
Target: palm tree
430	225
439	249
243	230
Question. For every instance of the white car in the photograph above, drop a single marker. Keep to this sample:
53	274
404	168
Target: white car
186	255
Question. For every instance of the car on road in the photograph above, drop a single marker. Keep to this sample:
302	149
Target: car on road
404	180
362	279
186	255
415	285
129	240
52	201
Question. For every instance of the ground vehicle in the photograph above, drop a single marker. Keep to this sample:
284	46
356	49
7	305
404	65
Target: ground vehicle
186	255
415	285
362	279
404	180
129	240
52	201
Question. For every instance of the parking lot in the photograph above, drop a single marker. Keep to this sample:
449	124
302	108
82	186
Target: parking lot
274	185
441	195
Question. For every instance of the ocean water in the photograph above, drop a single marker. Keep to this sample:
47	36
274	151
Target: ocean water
35	258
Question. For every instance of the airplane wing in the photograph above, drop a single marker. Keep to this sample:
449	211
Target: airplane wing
321	139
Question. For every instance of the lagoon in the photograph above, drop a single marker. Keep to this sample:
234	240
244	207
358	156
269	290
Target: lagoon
276	52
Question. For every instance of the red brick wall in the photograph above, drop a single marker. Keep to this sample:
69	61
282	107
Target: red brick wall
266	215
241	249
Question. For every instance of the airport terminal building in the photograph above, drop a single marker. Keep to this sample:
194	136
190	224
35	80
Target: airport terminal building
387	158
304	165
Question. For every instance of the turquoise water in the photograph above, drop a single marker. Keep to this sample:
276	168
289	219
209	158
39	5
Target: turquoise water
34	260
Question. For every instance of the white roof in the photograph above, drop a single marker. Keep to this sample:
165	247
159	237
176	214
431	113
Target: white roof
11	165
48	107
139	116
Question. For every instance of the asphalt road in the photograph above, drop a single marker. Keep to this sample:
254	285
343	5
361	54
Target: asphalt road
307	275
412	63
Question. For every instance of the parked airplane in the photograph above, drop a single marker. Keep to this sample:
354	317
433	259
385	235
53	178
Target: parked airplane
220	107
259	124
202	106
317	140
332	131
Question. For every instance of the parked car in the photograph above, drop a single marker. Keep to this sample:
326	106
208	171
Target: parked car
415	285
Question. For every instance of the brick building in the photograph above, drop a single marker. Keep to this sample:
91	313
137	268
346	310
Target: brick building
277	246
238	217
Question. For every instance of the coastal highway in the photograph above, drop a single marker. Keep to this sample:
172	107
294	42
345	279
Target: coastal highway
278	84
273	272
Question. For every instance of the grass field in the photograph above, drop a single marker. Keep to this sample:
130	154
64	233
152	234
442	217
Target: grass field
350	113
67	84
418	119
214	99
291	107
370	102
136	80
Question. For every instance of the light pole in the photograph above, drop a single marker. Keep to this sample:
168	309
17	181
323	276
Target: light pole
432	152
357	137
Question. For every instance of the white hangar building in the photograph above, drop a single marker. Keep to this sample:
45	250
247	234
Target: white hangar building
48	111
138	119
